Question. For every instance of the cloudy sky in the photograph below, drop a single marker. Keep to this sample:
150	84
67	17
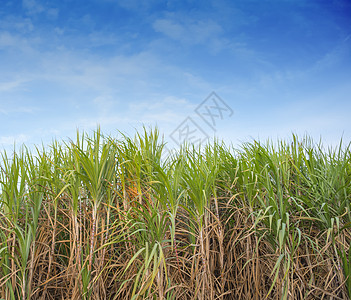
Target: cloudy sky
275	67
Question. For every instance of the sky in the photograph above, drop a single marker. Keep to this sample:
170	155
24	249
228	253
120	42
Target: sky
236	70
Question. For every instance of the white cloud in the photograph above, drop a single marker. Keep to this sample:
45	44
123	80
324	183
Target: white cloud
19	43
35	7
7	40
6	141
14	108
105	105
59	30
275	77
52	13
135	5
101	90
168	102
15	23
10	85
170	28
100	38
32	6
336	55
188	31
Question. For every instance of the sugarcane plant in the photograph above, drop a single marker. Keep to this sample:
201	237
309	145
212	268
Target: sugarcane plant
114	217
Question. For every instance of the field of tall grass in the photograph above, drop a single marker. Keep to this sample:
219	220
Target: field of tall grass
107	218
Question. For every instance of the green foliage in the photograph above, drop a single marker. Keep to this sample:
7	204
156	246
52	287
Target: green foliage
108	218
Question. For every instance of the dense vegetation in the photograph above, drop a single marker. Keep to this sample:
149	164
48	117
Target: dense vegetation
106	218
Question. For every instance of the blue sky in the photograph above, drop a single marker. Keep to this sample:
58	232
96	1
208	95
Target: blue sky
281	66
